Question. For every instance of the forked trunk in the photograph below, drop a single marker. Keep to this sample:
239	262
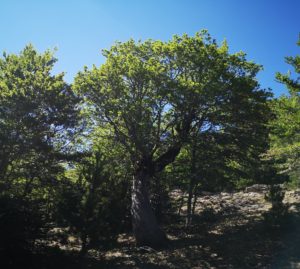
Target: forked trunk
145	226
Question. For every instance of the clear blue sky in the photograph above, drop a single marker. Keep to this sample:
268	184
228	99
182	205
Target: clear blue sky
267	30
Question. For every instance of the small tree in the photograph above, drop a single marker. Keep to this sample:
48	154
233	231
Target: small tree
285	127
279	210
92	204
37	116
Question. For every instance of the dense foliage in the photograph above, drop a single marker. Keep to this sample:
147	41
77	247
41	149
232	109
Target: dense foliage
156	116
285	136
155	96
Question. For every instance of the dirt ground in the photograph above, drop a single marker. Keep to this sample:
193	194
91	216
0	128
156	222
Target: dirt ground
228	231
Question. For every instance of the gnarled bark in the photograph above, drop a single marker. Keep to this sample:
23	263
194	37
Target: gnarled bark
145	226
144	223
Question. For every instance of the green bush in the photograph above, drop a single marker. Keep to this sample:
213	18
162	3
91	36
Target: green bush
22	222
94	205
279	210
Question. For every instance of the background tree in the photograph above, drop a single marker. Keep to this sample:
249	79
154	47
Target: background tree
214	161
153	94
38	117
85	203
38	114
285	127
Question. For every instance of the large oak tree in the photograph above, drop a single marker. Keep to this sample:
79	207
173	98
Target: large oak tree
152	95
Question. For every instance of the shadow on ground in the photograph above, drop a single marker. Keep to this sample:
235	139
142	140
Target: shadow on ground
215	241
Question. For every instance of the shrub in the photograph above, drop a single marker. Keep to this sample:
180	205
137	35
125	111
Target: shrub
279	210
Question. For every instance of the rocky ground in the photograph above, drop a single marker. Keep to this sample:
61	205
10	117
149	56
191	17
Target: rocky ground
228	231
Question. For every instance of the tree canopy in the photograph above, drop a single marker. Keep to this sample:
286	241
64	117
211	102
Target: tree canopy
84	158
153	95
285	135
37	112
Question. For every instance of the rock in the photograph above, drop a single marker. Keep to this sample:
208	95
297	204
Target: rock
293	208
206	193
252	194
257	188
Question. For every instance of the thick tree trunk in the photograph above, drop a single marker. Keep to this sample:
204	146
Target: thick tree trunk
145	226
